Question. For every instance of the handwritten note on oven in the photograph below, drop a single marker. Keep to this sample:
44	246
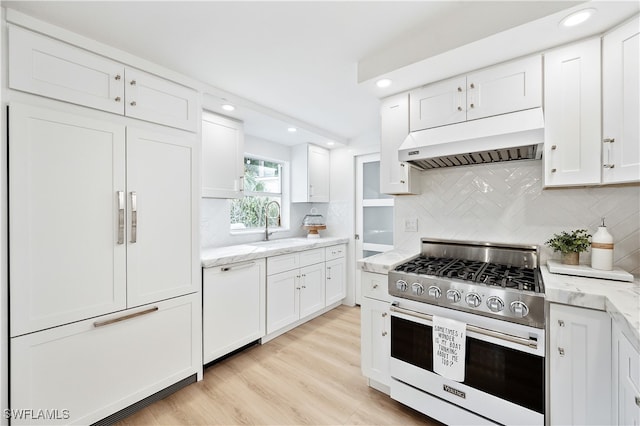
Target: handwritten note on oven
449	348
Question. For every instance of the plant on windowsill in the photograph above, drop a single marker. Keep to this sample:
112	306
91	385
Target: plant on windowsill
570	245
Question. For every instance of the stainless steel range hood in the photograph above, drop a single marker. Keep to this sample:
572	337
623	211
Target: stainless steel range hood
514	136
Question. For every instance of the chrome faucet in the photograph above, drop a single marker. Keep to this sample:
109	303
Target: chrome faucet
267	217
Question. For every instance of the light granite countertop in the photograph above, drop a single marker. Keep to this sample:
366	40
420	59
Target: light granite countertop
620	299
217	256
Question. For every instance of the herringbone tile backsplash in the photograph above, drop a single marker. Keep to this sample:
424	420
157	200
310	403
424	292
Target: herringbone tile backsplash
506	203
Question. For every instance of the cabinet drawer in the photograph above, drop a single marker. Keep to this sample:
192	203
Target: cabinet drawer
335	252
95	367
309	257
283	262
46	67
375	286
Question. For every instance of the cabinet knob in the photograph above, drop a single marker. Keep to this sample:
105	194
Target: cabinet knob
384	314
402	165
608	166
554	147
401	181
117	77
609	140
384	333
459	89
553	170
133	103
473	86
118	99
561	351
472	106
133	82
561	323
638	401
459	108
375	286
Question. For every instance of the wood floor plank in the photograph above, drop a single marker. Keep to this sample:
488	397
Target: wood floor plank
308	376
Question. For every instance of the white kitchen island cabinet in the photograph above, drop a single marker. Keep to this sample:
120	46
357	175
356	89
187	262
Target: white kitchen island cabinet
48	67
580	366
233	313
572	115
376	325
508	87
396	177
626	380
90	369
309	174
621	103
222	157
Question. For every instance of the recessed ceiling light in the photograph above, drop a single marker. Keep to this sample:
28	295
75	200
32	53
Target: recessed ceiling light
228	107
292	129
577	18
383	82
331	143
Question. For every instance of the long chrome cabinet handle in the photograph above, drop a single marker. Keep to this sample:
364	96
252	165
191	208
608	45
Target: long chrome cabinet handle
125	317
242	266
507	337
134	217
120	217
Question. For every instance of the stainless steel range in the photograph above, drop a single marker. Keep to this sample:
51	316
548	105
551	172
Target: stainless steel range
495	292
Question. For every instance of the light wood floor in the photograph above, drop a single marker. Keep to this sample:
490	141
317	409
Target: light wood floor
308	376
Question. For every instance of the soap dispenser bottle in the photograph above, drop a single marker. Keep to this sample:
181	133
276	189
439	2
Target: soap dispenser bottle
602	249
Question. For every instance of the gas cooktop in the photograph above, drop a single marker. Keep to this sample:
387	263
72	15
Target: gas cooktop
495	280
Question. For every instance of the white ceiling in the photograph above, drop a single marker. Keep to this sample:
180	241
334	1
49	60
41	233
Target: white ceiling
294	63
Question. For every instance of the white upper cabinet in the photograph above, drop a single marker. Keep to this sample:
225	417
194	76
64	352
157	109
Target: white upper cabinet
222	157
158	100
309	174
620	104
47	67
396	177
572	114
508	87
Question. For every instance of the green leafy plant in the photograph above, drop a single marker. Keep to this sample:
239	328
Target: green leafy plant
570	242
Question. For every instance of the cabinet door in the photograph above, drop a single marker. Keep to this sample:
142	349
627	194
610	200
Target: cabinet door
396	177
580	366
438	104
628	381
572	115
68	257
94	368
160	101
509	87
162	243
621	104
318	174
222	157
232	291
46	67
376	345
283	299
335	281
312	289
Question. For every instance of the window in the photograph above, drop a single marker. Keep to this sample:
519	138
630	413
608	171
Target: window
262	184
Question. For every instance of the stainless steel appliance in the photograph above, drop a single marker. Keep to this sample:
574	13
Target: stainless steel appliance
497	291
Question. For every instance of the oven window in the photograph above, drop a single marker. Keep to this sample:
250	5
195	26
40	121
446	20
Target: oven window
509	374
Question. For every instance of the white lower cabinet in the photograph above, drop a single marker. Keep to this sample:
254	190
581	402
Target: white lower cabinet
626	380
335	274
233	312
579	365
376	325
90	369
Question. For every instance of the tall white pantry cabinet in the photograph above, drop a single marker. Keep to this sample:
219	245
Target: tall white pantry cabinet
104	278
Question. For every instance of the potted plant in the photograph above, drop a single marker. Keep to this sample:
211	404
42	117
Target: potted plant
570	245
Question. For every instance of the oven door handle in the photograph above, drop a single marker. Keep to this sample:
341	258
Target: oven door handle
503	336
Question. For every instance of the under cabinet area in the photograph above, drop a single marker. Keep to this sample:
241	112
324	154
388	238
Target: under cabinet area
233	307
580	366
48	67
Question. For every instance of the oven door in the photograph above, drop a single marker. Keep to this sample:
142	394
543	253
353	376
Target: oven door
504	368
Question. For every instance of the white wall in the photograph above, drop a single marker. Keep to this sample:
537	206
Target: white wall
505	202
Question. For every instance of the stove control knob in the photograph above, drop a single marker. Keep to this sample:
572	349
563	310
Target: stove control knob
453	296
434	292
519	309
401	285
418	289
473	300
495	304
